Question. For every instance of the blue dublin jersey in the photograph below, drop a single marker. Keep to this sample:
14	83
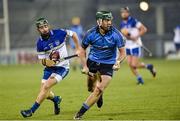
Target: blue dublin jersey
103	48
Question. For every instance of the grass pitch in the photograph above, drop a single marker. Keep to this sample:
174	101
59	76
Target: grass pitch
158	98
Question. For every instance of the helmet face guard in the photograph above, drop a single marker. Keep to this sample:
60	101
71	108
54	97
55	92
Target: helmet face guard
41	22
103	15
125	9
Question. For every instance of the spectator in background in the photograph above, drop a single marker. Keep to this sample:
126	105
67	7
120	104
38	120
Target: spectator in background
177	39
76	27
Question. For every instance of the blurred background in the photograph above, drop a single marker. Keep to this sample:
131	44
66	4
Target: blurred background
18	33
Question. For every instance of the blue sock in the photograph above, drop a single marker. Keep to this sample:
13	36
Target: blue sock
149	66
55	99
35	107
140	80
84	108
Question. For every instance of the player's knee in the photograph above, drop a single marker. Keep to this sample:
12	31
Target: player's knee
46	87
98	91
132	65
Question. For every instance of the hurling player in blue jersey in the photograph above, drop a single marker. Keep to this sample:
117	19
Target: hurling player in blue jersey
51	41
104	41
76	27
133	29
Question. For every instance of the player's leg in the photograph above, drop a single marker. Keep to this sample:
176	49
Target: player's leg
100	100
41	96
106	72
91	79
59	75
91	82
130	61
50	95
150	67
45	89
55	99
134	67
52	79
133	62
139	64
94	96
98	90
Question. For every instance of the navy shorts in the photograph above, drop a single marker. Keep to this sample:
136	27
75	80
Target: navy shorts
177	46
104	69
57	72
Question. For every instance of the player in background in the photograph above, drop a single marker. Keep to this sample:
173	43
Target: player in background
76	27
177	39
133	29
51	47
104	41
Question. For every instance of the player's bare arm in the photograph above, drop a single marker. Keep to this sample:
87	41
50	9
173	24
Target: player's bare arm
80	52
142	30
83	61
122	56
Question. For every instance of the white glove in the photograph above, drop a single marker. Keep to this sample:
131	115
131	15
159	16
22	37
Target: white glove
116	66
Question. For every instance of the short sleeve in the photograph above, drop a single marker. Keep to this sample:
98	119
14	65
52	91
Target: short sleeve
137	23
69	33
120	39
40	51
63	32
86	41
121	25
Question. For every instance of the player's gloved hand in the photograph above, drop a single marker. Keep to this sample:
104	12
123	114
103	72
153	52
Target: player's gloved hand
47	62
116	66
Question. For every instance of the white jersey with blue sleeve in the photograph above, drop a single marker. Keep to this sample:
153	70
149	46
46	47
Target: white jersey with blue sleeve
56	42
132	25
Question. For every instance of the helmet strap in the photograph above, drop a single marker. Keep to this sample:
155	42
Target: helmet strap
45	36
99	22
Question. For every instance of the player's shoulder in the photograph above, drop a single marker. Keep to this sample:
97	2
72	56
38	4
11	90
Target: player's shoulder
133	20
92	30
58	31
116	31
39	44
39	40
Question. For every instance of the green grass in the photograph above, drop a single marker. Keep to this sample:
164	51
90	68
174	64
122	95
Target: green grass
158	99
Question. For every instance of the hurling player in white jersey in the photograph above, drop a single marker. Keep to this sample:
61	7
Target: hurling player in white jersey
133	29
51	48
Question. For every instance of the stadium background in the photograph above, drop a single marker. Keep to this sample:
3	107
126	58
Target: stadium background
159	99
161	19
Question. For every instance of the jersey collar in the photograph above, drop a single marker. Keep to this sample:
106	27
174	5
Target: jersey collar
97	30
51	33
